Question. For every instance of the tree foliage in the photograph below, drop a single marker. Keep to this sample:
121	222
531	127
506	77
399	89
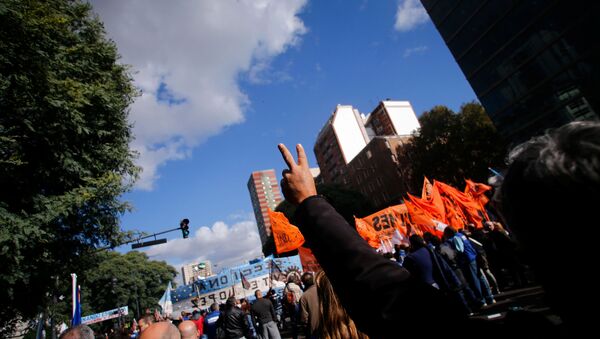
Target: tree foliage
452	147
64	147
113	280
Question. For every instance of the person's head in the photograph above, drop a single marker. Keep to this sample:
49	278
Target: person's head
470	229
230	303
78	332
188	330
449	232
308	279
214	307
488	226
431	238
145	321
245	305
161	330
258	294
334	322
551	188
416	242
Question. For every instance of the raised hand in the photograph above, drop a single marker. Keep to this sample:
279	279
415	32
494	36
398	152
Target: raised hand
297	183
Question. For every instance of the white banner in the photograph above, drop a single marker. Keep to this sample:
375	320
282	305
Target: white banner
98	317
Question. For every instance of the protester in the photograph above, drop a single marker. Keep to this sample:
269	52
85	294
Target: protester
419	262
162	330
145	321
309	305
550	192
264	313
188	330
247	309
78	332
334	321
292	294
232	321
379	295
210	322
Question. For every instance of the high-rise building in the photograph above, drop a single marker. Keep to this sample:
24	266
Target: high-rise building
533	64
392	118
347	132
377	173
340	140
264	193
360	152
192	272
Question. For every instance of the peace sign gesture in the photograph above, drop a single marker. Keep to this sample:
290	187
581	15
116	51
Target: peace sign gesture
297	183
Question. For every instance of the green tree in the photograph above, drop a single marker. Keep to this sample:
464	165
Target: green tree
452	147
64	147
125	279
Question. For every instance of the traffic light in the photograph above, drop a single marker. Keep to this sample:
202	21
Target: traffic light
185	228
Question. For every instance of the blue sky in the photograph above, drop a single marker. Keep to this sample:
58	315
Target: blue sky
224	82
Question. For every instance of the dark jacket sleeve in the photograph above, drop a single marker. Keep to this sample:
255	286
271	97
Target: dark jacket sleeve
379	295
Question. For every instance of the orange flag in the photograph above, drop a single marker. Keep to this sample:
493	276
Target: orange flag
436	212
308	260
427	187
402	220
367	232
477	192
470	209
421	219
287	236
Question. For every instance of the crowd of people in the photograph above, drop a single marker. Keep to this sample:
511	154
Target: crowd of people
430	288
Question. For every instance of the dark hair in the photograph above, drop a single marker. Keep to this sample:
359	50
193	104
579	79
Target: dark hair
553	183
308	279
449	232
416	242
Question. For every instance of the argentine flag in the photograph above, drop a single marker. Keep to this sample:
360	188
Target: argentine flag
165	301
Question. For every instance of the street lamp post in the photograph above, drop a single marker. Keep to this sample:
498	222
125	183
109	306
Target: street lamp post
114	285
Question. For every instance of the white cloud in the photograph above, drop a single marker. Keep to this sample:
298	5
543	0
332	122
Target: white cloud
187	58
409	15
222	244
414	50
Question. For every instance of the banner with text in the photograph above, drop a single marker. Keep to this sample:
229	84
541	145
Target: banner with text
228	283
102	316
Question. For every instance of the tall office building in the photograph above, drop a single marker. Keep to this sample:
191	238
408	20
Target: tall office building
192	272
533	64
339	141
376	172
392	118
360	152
264	193
347	132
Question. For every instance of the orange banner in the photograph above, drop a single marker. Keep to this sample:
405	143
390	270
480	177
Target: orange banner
367	232
287	236
308	260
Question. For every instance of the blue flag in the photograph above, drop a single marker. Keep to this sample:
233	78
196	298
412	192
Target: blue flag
76	320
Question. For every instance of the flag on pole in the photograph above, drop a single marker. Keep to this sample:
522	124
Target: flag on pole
76	310
245	282
165	301
275	270
77	315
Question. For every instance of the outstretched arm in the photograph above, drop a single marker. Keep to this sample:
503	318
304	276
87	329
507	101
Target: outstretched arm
378	294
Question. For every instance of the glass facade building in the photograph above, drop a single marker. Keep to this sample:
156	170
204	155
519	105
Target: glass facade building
533	64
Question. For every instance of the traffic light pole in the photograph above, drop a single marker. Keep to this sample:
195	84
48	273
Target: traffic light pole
141	238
